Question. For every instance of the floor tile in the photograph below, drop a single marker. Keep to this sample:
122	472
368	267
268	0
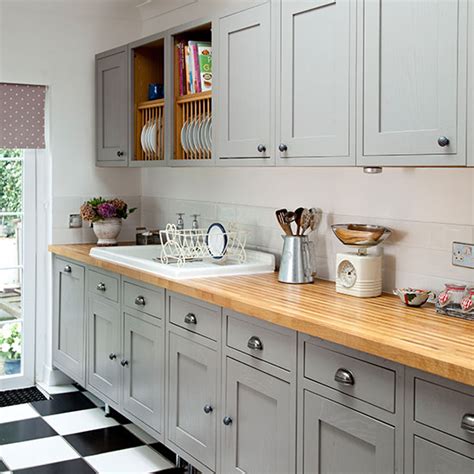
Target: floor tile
164	451
75	466
96	401
37	452
102	441
79	421
63	403
118	417
24	430
17	413
56	389
139	433
141	459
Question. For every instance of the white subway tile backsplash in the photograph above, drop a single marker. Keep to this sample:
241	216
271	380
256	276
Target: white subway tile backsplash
417	254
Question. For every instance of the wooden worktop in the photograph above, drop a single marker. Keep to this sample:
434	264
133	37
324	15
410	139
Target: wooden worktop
416	337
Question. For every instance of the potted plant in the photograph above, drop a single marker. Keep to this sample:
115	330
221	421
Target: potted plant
10	348
106	217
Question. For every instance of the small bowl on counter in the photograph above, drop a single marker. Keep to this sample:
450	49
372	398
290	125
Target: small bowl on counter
414	297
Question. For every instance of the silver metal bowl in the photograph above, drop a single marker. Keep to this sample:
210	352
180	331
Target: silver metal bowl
361	235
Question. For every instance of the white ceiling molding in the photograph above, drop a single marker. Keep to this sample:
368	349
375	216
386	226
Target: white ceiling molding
153	8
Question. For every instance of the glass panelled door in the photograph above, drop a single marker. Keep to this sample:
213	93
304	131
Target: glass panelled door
17	267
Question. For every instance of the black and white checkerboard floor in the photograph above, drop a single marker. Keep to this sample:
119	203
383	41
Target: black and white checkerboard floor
70	434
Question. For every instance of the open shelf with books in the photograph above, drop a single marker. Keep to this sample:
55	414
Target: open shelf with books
148	102
192	53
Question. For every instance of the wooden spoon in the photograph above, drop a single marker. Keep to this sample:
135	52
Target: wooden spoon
298	214
316	215
280	215
305	221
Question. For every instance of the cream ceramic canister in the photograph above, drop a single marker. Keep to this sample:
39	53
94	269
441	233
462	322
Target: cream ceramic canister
452	294
467	303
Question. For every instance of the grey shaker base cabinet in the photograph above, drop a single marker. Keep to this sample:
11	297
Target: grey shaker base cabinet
257	422
340	440
69	319
228	405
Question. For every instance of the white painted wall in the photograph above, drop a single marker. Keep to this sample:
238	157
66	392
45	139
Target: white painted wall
426	208
53	42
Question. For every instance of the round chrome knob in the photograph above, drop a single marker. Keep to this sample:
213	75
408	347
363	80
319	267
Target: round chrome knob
208	409
261	148
190	318
467	422
140	301
344	377
120	153
112	356
101	286
443	141
227	420
282	147
124	363
255	344
67	269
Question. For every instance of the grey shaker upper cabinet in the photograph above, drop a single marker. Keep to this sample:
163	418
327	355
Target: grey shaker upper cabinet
112	108
245	86
412	82
317	74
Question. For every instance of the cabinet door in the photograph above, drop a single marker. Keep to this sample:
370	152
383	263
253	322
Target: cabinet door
104	348
69	319
112	108
339	440
258	438
143	376
430	458
245	79
413	76
193	397
318	81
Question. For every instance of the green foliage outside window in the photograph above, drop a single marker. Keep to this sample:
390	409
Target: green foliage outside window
11	176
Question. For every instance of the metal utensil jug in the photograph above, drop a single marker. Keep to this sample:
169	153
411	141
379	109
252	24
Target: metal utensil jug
295	266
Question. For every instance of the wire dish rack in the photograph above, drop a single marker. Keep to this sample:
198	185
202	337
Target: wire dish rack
180	246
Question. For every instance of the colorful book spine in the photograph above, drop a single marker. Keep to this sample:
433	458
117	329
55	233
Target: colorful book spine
193	45
187	71
181	68
205	66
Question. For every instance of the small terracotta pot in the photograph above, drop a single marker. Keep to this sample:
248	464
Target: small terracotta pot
107	231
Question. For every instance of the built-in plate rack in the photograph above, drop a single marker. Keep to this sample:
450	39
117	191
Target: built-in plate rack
194	126
192	111
150	123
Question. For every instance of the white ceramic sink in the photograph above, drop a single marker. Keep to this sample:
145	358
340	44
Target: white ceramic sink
147	258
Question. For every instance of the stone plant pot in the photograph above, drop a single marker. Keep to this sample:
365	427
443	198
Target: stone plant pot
107	231
12	366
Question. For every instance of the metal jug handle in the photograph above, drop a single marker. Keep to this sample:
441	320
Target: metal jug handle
307	259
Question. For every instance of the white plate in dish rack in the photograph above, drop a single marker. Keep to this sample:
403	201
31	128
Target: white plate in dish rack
184	132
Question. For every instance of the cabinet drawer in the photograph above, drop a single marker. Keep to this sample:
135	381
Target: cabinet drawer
103	285
262	340
443	408
359	379
195	316
147	301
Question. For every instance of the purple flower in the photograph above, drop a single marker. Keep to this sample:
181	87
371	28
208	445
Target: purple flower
106	210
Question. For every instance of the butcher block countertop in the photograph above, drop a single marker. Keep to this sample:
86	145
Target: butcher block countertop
384	327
